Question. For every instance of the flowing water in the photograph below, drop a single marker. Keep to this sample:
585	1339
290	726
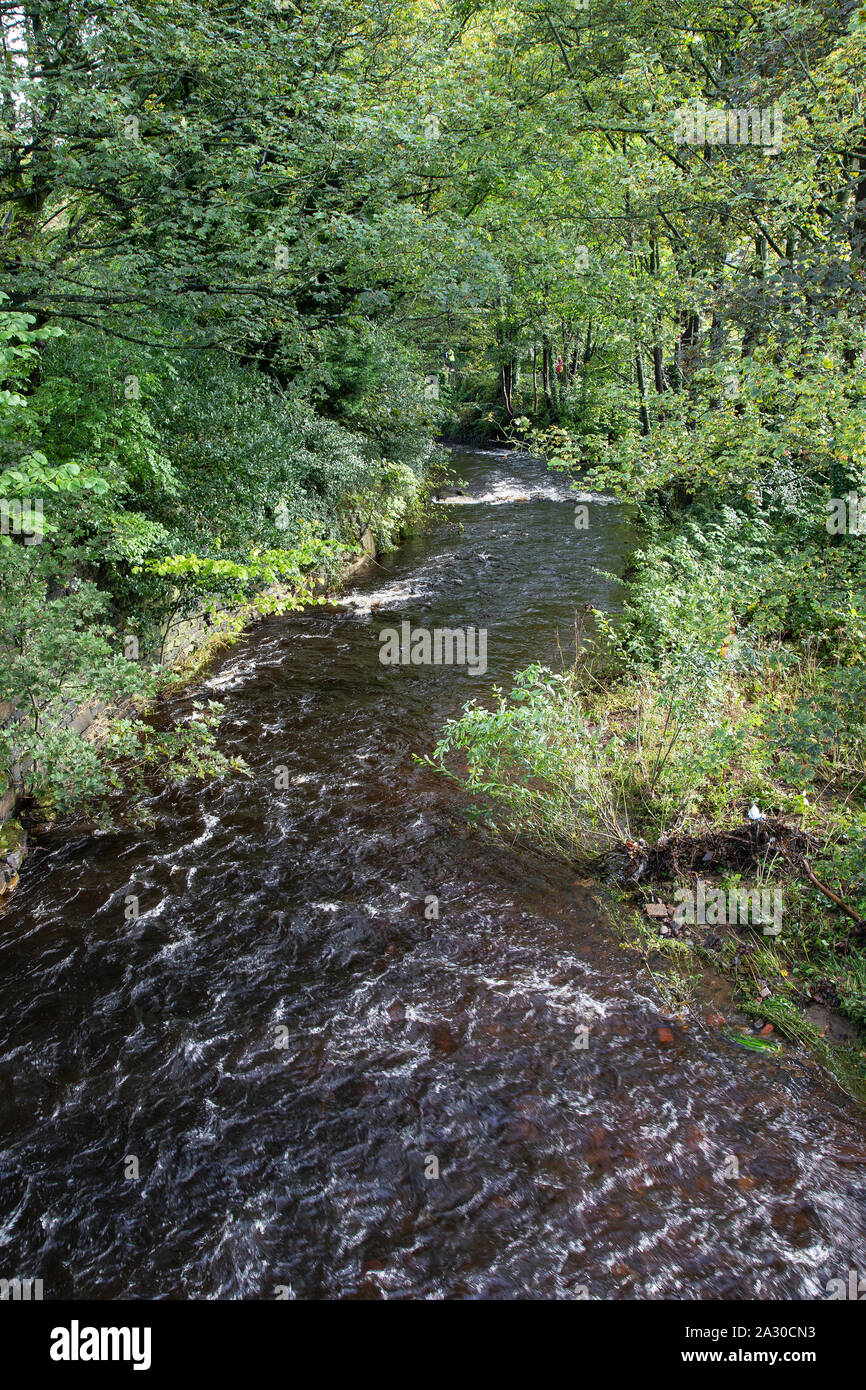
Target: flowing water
285	1047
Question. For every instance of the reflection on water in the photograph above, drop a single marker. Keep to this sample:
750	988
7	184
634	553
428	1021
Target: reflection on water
290	1041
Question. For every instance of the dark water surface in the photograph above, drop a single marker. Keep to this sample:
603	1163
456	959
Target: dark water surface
296	916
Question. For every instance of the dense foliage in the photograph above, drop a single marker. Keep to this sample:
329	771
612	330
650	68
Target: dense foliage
682	321
208	218
255	254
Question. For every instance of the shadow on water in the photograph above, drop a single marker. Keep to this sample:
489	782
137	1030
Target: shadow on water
289	1048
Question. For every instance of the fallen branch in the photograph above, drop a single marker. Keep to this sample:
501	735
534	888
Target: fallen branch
828	892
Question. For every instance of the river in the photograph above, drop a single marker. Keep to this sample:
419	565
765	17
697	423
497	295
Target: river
247	1090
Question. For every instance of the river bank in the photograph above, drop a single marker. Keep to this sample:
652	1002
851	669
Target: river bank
177	654
357	1048
703	751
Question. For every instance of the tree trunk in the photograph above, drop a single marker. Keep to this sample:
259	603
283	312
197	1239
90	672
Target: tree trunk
658	331
641	386
506	382
689	346
858	231
545	374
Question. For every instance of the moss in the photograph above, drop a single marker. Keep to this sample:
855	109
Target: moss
12	837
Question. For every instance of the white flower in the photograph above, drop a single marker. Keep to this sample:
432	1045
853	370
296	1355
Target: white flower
755	814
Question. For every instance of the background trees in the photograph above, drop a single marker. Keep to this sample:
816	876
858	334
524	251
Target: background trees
237	239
